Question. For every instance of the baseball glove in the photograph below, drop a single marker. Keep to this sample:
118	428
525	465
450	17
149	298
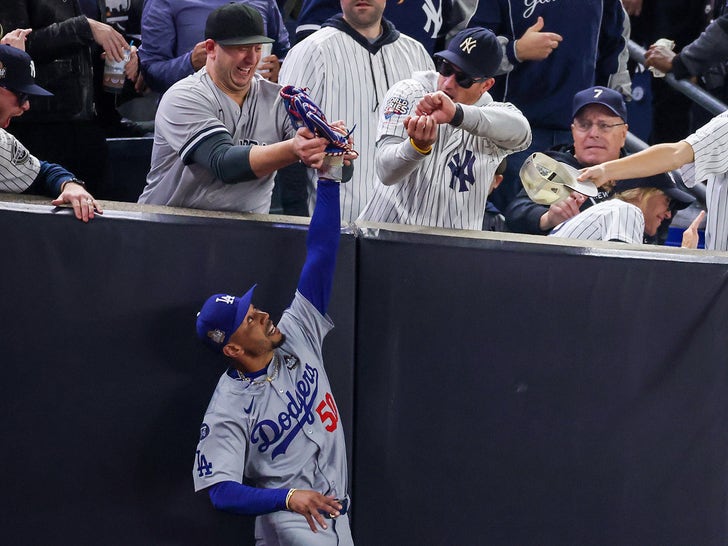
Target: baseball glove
306	113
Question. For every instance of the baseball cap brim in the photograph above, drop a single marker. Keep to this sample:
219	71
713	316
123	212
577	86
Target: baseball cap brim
247	40
34	90
243	306
680	199
548	181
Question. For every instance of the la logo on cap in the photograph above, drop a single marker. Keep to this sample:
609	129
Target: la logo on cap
468	44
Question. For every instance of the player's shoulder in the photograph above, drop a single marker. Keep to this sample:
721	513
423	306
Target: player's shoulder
192	88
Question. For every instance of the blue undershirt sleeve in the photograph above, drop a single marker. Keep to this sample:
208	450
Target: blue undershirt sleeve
228	162
52	176
238	498
322	243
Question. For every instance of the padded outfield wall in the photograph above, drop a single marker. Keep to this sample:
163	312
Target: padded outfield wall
495	390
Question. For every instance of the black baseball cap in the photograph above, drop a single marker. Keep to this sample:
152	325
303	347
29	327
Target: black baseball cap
663	182
17	72
236	24
600	95
476	51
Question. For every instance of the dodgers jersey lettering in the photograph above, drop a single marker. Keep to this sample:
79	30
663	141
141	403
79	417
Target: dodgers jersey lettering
18	168
710	147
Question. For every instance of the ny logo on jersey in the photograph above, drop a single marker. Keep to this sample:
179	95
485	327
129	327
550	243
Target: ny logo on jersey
434	17
462	171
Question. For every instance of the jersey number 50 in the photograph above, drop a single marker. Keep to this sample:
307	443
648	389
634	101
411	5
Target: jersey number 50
327	412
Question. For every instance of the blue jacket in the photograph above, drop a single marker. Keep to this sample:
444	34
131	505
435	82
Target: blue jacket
587	56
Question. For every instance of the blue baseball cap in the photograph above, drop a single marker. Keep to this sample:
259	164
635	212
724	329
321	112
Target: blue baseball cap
600	95
476	51
220	316
664	182
17	72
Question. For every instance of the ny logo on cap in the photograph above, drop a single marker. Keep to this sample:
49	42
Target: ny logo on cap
32	69
468	44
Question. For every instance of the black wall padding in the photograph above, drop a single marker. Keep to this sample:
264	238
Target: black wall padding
104	381
530	395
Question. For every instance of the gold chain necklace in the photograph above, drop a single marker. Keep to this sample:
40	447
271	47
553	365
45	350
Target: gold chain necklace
267	378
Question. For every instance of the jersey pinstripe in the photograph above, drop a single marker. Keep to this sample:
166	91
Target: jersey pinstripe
710	146
194	109
349	83
612	220
449	187
18	168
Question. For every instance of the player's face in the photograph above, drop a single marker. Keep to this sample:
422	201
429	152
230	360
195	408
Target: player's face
362	14
11	105
598	135
656	209
234	66
463	95
257	334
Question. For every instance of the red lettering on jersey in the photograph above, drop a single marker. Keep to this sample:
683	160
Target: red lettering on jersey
328	412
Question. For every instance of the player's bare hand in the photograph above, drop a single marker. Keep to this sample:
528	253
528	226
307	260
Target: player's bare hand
437	105
198	56
16	38
690	235
269	68
535	45
113	43
309	148
562	211
632	7
310	504
422	130
659	57
83	203
341	127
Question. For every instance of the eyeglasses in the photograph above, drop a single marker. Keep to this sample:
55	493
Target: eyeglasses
446	69
585	126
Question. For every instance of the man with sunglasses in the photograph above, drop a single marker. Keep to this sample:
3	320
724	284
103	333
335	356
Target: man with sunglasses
20	171
441	138
599	130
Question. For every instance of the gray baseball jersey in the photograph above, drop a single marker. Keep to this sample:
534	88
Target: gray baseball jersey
194	109
710	146
612	220
349	83
18	168
280	432
448	187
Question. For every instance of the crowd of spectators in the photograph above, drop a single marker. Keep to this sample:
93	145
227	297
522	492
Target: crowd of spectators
568	82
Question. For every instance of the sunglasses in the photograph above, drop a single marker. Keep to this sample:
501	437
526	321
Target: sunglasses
446	69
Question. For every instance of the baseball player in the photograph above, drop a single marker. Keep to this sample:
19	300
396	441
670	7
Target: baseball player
272	442
441	138
702	156
638	208
347	67
19	170
221	133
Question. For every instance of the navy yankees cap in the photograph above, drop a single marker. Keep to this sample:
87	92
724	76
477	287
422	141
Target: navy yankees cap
664	182
600	95
220	316
476	51
17	72
236	24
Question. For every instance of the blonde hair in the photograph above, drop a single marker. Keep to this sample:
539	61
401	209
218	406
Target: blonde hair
636	196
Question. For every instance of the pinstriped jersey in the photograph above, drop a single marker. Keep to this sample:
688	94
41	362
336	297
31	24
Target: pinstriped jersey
194	109
612	220
18	168
349	83
450	186
710	146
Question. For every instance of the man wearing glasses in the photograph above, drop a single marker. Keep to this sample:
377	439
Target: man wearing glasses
441	138
599	130
21	172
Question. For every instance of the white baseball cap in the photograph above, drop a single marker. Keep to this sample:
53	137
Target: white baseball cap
548	181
